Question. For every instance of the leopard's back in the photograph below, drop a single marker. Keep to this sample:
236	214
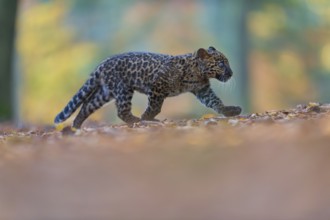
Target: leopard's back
133	70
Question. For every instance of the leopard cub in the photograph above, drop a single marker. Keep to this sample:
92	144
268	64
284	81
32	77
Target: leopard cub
156	75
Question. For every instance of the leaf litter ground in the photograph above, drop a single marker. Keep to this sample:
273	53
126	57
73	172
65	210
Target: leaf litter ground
271	165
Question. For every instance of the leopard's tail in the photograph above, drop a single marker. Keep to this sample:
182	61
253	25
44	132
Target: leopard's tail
83	93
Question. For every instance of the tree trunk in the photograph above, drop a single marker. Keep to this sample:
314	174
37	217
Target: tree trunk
8	9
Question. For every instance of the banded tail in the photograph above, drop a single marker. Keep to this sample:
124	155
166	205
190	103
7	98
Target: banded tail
83	93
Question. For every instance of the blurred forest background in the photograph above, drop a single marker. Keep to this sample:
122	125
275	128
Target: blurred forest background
279	50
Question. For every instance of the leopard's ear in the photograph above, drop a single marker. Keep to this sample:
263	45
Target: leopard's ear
202	53
211	48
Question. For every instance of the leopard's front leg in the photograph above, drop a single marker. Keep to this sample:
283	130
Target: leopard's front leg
210	100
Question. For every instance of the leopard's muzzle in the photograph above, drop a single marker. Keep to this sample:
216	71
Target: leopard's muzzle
228	73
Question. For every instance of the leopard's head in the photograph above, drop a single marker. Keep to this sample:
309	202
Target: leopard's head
214	64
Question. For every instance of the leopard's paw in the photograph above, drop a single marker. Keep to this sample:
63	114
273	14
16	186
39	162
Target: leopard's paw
230	111
150	119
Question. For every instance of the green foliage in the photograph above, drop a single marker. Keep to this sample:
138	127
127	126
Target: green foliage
52	60
279	49
287	38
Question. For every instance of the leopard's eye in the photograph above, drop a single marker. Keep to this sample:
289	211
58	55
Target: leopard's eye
221	64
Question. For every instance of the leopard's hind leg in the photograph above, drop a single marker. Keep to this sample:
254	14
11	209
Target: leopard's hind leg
124	105
95	101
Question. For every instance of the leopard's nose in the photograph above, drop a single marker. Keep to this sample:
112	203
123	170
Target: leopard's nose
228	71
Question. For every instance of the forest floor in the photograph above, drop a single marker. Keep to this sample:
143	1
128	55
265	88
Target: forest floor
272	165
